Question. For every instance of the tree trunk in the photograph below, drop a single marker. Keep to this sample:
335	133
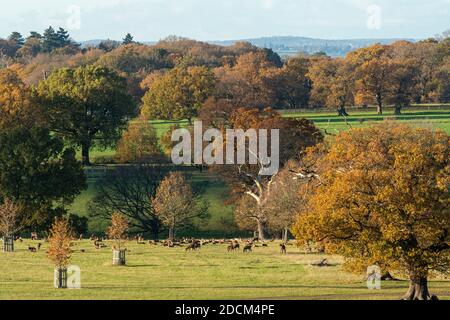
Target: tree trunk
398	110
342	112
285	235
85	147
418	289
261	235
379	104
171	234
155	233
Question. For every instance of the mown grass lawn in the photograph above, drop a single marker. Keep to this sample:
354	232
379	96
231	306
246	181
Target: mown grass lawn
156	272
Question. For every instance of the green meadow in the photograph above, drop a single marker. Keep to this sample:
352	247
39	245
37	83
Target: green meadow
157	272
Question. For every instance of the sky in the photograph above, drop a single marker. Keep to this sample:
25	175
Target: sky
152	20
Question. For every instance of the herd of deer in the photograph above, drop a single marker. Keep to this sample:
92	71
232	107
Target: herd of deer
190	244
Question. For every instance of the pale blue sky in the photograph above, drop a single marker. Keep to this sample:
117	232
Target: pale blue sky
229	19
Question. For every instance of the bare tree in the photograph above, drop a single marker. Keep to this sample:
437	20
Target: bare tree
127	190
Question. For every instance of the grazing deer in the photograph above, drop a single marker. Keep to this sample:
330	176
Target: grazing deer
34	236
195	245
283	248
234	245
31	249
248	247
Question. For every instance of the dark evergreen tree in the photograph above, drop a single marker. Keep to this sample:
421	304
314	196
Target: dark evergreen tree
128	39
17	38
51	40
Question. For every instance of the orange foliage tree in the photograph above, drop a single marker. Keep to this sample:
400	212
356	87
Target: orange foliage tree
60	239
118	229
382	197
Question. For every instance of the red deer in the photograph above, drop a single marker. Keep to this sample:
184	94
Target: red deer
31	249
194	246
248	247
34	236
283	248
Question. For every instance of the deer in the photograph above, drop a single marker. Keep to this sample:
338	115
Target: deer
32	249
234	245
248	247
283	248
34	236
195	245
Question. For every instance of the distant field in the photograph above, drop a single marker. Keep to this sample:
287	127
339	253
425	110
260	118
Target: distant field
156	272
425	116
215	191
437	119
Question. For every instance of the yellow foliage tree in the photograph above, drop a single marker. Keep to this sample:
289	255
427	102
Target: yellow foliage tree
382	198
138	143
60	240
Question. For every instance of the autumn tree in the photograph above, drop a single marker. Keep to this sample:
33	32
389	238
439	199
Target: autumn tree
332	83
139	143
294	136
175	204
16	105
374	70
59	243
87	106
245	84
10	218
178	94
135	62
118	229
383	199
283	203
289	85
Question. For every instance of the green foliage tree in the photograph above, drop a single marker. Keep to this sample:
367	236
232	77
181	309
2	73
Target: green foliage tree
42	175
178	94
88	105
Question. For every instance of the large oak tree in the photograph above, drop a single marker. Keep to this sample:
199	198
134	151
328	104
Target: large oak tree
382	198
87	106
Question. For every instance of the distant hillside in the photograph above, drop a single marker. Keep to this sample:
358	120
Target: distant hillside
293	45
286	46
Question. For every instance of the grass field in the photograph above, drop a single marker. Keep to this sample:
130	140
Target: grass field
156	272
